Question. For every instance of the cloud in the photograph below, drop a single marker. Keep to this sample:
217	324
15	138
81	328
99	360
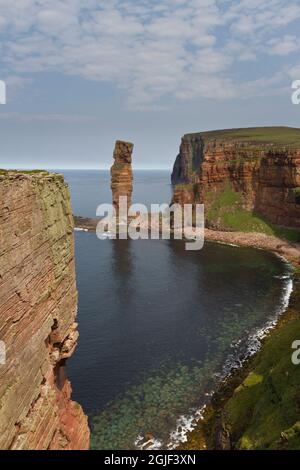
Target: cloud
284	46
55	118
150	49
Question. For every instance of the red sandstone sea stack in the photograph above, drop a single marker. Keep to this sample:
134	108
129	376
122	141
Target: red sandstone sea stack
121	173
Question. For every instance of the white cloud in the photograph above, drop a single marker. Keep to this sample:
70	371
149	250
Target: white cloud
294	72
284	46
149	49
55	118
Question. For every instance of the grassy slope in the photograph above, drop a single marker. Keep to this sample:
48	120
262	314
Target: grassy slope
25	172
282	136
225	209
264	411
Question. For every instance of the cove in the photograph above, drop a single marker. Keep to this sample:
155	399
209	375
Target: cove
157	325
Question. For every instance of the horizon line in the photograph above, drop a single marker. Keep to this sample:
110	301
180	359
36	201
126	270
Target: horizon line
14	167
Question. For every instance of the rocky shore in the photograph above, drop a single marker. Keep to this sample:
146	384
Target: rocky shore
287	249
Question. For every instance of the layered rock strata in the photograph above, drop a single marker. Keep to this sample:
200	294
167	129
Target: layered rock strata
121	173
38	306
262	165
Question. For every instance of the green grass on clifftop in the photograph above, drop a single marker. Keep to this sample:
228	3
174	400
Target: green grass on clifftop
25	172
226	212
282	136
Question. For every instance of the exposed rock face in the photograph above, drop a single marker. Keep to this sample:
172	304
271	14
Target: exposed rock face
38	306
121	173
262	165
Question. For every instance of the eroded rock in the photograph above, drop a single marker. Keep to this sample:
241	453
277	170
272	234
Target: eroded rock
38	306
262	165
121	173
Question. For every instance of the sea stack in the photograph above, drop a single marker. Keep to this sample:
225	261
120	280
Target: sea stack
121	173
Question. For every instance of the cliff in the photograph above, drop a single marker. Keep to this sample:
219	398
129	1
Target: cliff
248	179
38	306
121	172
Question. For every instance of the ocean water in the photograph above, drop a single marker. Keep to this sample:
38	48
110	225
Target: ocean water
91	188
158	323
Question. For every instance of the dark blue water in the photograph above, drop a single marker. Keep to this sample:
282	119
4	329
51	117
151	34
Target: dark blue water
91	188
157	323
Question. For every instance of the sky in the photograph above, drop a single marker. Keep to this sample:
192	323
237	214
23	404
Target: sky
81	75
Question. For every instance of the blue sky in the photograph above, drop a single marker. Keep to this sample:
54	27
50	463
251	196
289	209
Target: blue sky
82	74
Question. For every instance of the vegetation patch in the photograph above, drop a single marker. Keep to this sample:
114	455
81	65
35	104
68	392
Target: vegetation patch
270	136
296	192
184	186
226	212
25	172
264	412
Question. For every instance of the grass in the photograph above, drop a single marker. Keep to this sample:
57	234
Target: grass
296	192
184	186
264	411
225	210
26	172
245	221
281	136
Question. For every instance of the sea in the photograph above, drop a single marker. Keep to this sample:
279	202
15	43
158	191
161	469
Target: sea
161	326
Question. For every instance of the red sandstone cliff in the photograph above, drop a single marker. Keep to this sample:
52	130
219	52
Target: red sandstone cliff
260	164
121	172
38	306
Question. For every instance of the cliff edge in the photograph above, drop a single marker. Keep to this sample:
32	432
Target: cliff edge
38	306
248	179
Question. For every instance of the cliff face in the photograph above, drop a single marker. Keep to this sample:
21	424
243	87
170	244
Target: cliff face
121	172
261	165
38	305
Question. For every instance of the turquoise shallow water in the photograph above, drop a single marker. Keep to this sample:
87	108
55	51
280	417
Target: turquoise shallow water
157	322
